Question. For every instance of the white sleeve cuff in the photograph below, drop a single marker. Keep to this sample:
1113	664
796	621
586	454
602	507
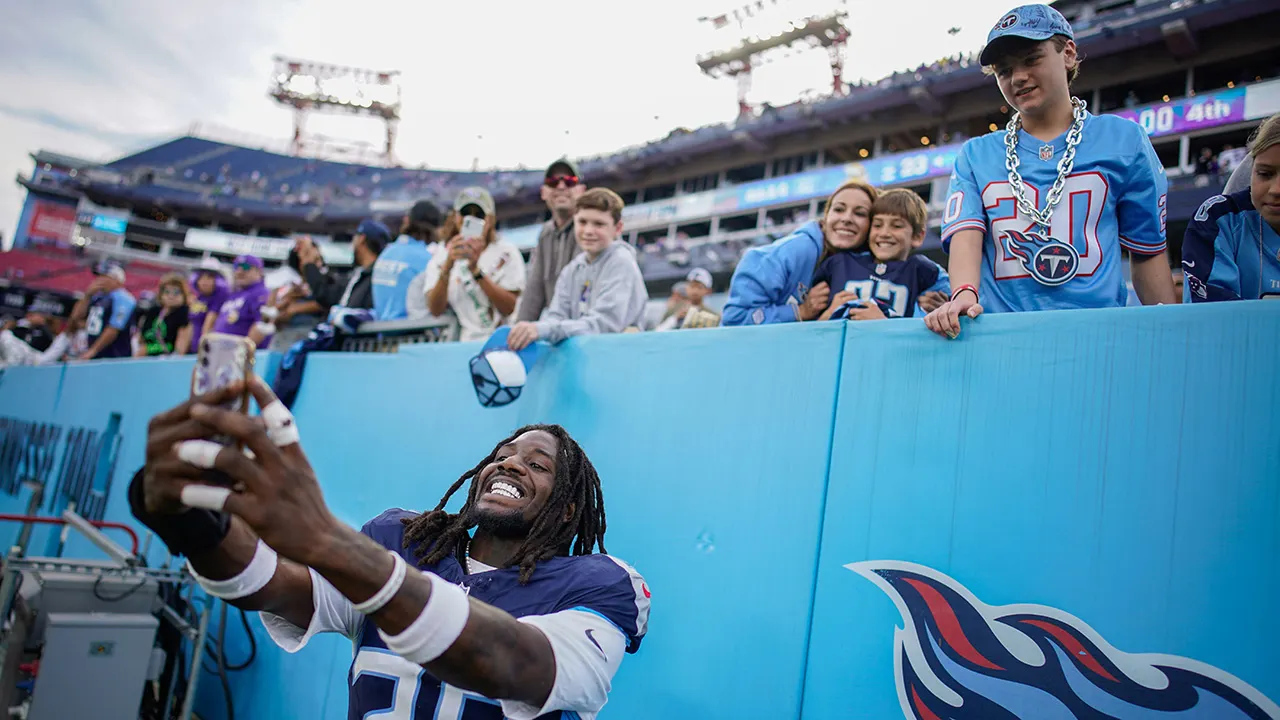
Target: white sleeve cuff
333	613
588	650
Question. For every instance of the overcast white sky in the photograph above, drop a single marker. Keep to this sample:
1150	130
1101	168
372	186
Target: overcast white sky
535	79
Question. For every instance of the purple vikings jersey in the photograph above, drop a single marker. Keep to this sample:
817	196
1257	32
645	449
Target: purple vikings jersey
895	285
1114	198
241	310
596	584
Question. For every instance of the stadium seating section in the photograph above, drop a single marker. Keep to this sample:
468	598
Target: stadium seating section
64	271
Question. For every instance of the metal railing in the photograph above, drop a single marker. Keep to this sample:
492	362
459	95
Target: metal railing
387	336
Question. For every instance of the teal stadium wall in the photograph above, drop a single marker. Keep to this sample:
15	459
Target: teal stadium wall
1116	472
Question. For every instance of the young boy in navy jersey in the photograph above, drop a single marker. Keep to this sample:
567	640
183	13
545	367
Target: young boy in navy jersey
886	280
1037	213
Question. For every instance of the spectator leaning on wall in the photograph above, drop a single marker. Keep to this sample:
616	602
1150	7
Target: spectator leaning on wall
399	273
561	188
772	283
241	312
1231	250
107	309
209	289
602	290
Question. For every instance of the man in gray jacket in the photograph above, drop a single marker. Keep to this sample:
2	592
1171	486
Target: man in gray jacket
600	290
561	188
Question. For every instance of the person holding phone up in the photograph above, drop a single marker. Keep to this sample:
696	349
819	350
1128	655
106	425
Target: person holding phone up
480	276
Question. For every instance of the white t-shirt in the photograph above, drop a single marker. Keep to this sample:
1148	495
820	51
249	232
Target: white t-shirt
477	318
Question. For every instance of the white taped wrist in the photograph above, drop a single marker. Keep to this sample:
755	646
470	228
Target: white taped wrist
388	590
265	328
436	628
253	578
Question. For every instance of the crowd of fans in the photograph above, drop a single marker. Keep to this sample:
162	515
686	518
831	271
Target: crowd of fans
581	278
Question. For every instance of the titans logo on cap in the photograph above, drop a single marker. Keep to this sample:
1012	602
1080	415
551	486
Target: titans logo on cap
1007	21
959	658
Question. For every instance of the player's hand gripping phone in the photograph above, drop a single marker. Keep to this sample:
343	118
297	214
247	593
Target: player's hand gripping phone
221	360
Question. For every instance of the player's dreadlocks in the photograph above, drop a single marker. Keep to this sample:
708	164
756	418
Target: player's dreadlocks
440	534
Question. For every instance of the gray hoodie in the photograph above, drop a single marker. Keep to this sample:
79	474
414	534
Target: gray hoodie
592	298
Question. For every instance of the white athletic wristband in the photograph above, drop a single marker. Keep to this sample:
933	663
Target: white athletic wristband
253	578
265	328
436	628
388	591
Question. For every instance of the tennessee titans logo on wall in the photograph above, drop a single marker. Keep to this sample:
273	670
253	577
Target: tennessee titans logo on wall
958	658
1051	262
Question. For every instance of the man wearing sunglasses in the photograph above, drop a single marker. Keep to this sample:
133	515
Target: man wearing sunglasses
241	312
561	188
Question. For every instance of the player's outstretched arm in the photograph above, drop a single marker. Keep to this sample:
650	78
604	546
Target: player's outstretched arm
427	620
493	653
219	547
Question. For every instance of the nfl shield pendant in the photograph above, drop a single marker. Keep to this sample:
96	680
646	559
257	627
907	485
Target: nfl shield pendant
1046	152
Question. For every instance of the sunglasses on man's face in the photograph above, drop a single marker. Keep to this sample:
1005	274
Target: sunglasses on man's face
246	266
556	181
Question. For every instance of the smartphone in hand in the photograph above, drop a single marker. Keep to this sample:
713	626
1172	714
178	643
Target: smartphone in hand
472	227
221	360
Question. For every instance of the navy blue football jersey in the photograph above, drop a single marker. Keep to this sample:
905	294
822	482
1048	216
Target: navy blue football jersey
597	584
894	285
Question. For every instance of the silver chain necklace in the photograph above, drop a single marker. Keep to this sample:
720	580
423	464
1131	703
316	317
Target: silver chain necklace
1011	162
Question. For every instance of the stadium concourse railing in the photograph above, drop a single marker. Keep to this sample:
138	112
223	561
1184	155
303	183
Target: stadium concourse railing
388	335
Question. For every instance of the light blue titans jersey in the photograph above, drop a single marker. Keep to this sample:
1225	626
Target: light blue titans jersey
1229	253
1114	197
394	273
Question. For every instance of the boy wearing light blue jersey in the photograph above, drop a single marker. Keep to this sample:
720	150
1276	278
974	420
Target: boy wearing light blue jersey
399	274
1037	214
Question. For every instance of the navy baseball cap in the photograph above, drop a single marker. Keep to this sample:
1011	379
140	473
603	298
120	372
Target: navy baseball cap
1031	22
374	232
498	372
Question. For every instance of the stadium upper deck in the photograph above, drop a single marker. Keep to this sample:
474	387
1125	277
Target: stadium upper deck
1194	73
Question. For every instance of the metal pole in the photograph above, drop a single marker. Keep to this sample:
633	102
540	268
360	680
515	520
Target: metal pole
8	588
197	656
117	554
33	508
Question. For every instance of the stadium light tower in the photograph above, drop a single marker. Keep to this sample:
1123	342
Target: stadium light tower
762	26
309	86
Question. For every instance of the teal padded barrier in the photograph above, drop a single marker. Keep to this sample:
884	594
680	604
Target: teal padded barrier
1121	466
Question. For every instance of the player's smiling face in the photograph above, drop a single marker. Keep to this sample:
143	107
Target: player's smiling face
845	222
891	238
1033	76
515	487
1264	185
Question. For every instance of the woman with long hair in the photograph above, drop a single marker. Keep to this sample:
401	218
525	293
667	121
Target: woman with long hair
772	283
479	276
165	329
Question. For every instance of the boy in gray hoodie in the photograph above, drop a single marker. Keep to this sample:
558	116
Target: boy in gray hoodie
600	290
